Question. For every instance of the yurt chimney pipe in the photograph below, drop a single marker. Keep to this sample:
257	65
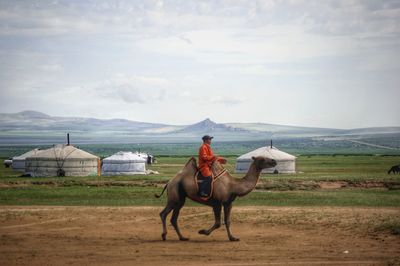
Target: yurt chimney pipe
271	143
67	139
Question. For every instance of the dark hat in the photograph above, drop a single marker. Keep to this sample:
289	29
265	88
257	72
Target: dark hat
206	137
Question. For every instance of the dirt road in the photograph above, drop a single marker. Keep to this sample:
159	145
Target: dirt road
131	236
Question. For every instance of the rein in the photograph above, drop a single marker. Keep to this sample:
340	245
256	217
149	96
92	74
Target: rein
219	175
214	177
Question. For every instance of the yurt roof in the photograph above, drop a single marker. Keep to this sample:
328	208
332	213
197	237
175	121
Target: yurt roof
27	154
125	156
64	151
269	152
142	155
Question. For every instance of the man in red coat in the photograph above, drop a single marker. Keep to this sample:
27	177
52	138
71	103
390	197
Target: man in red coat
206	159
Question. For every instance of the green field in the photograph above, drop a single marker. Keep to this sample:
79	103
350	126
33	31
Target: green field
301	189
296	146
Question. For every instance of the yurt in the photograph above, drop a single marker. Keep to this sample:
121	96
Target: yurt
18	162
62	160
148	157
124	163
142	155
285	162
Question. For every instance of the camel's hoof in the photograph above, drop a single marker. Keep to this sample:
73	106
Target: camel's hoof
183	239
234	239
164	236
203	232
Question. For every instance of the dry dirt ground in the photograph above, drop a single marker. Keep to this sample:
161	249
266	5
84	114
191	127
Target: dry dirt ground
131	236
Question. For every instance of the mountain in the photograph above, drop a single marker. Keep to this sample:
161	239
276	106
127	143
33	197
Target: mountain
207	126
32	120
32	126
370	130
283	129
32	114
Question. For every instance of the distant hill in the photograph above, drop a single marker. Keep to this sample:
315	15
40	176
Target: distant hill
207	126
370	130
32	120
32	126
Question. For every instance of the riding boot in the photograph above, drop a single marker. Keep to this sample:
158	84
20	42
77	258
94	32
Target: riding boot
204	187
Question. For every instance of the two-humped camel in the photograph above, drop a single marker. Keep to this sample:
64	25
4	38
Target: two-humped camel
226	189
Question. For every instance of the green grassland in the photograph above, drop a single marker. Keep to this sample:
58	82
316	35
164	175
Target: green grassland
144	196
272	190
296	146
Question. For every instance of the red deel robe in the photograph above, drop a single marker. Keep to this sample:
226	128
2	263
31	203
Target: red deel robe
206	158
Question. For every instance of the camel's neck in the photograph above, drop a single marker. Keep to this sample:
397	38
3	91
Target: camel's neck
248	182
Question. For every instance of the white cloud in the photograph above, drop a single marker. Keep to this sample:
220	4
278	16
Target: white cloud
255	46
131	88
263	70
223	100
51	67
110	57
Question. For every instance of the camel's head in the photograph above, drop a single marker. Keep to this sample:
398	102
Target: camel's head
263	162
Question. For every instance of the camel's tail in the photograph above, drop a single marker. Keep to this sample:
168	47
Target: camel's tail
158	196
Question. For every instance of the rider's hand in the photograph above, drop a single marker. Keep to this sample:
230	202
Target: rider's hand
221	160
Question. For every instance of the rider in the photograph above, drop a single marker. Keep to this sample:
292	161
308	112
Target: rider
206	159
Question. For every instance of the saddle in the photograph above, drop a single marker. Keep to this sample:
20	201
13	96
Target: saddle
200	179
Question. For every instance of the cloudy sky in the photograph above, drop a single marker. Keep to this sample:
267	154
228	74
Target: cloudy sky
310	63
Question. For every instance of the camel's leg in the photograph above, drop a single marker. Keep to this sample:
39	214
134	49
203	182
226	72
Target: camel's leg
227	220
163	214
217	224
174	220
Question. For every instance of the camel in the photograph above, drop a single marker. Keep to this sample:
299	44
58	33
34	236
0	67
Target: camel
395	169
226	189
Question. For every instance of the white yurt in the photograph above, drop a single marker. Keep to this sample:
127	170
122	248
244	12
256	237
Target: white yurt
148	157
142	155
285	162
62	160
18	162
124	163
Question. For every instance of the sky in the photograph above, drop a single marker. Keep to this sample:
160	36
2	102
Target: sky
333	64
